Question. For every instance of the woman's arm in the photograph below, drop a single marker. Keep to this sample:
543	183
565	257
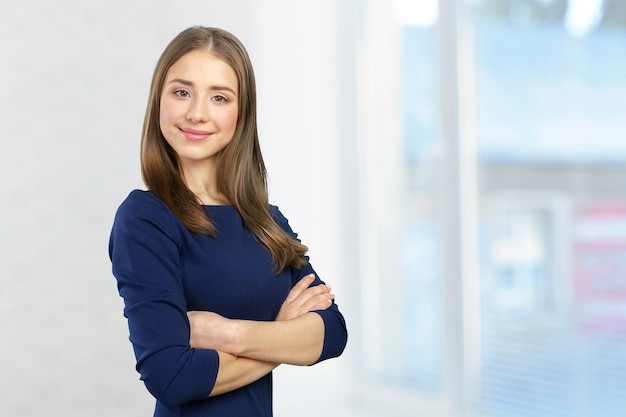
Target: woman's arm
144	250
296	338
297	341
235	372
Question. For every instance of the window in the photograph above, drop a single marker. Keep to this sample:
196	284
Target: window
549	82
495	205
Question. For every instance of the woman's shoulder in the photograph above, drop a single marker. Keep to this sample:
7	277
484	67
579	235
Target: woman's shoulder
142	204
280	218
140	199
277	215
142	211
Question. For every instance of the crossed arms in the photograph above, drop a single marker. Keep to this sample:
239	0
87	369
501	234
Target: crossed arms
248	349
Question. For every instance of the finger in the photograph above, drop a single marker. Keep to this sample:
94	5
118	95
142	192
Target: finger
310	293
301	286
319	302
318	296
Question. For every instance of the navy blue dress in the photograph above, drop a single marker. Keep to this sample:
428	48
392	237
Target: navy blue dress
163	271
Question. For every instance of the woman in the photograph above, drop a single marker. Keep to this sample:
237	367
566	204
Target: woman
217	288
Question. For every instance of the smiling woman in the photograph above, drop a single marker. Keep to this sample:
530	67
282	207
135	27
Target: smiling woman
216	286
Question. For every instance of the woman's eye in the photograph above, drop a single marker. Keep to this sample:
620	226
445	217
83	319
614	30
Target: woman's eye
181	93
220	99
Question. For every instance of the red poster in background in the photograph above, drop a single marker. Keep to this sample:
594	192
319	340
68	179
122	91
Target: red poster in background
599	263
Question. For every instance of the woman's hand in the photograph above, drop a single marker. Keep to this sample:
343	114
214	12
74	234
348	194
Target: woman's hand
303	299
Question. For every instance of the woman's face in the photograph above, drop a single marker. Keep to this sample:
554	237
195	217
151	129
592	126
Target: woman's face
199	107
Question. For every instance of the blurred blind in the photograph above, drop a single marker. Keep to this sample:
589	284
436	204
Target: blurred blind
422	286
551	89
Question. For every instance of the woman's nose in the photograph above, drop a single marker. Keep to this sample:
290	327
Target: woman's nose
198	111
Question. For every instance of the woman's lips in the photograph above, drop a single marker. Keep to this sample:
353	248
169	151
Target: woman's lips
195	135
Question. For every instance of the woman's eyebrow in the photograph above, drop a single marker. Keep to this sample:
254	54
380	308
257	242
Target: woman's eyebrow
222	88
190	84
181	81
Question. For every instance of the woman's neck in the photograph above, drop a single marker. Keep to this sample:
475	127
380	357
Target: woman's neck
203	183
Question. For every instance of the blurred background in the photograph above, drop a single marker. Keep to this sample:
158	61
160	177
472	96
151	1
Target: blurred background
457	167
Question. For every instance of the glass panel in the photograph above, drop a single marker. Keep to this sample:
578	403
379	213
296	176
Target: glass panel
551	89
551	80
422	314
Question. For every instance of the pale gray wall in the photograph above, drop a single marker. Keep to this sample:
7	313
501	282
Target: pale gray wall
75	79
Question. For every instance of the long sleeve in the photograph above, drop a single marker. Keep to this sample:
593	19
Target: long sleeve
335	329
145	254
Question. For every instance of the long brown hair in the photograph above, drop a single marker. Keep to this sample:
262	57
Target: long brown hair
242	176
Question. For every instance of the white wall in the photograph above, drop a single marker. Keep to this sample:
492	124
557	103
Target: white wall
75	83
